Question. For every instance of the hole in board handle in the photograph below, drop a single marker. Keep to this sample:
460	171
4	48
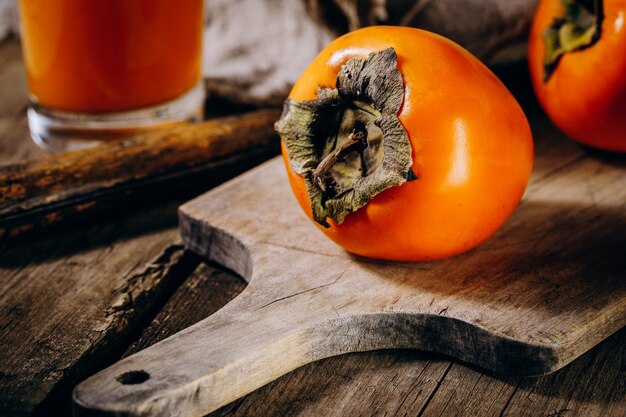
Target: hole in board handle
133	377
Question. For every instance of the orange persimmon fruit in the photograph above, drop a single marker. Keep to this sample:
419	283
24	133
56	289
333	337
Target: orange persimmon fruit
577	60
401	145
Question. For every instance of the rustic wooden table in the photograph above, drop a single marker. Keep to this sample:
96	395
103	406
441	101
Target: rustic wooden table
77	300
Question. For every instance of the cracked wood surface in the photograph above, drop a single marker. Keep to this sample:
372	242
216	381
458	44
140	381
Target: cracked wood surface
402	382
68	303
394	383
546	289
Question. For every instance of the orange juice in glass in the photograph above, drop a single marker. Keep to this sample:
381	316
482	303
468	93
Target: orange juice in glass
101	69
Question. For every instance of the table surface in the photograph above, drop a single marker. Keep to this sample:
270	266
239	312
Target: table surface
77	300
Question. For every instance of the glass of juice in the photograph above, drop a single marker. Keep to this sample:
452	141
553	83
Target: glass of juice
104	69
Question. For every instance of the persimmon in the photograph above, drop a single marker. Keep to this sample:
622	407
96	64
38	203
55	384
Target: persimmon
401	145
577	60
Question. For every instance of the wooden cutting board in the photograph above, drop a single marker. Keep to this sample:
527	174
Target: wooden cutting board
549	286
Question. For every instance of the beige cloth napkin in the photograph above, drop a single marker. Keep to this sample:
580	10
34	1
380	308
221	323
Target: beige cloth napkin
256	49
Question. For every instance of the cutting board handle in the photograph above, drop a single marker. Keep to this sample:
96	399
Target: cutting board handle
240	348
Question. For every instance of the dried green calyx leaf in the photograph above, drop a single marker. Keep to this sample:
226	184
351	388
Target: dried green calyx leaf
348	144
577	29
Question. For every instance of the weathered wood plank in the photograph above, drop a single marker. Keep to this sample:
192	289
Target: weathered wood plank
380	383
64	302
400	383
384	383
471	392
69	302
593	386
313	389
57	189
206	290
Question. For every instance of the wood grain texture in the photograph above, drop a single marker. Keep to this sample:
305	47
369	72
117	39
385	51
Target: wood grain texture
546	289
403	383
68	304
408	383
68	186
207	289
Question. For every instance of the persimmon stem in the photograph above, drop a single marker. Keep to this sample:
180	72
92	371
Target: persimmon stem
348	144
356	142
579	28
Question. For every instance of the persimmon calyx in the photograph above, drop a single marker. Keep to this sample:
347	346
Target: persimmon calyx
578	28
348	144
